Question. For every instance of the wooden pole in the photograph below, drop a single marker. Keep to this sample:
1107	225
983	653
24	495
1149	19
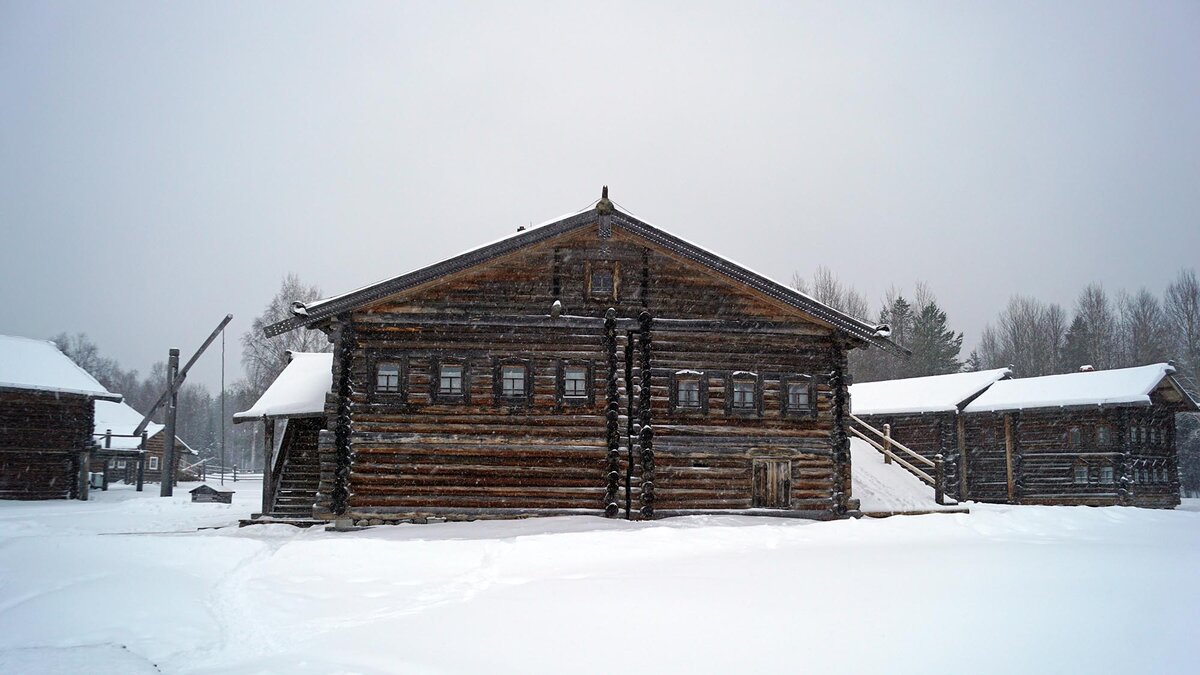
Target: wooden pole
268	498
83	476
939	479
167	470
141	467
887	443
107	445
963	493
1008	457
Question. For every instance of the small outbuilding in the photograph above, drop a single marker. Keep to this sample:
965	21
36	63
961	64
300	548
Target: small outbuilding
1097	437
119	451
292	411
46	421
207	495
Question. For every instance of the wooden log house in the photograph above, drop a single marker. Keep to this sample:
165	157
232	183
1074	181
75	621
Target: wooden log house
292	411
592	365
46	413
119	452
924	414
1098	437
1086	438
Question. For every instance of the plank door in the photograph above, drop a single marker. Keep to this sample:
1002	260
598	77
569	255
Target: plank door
772	484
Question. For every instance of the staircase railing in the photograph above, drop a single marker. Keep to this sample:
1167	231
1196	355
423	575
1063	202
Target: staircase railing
909	460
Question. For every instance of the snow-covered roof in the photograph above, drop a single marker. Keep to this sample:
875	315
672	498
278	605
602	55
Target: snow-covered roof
1122	386
936	393
38	364
299	391
121	419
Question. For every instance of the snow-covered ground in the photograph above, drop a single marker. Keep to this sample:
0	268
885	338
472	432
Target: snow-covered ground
125	584
888	488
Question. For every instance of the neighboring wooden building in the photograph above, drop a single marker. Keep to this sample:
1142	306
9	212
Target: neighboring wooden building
45	421
1098	437
924	413
292	411
593	365
121	420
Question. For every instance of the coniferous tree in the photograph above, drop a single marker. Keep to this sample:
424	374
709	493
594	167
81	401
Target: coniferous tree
935	347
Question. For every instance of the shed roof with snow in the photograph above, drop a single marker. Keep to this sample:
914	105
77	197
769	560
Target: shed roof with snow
1120	386
299	391
916	395
121	419
40	365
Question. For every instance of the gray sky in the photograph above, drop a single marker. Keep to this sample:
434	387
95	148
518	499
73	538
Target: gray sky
164	164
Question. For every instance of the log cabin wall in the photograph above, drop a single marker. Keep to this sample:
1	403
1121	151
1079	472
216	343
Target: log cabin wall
41	437
1090	456
419	452
156	448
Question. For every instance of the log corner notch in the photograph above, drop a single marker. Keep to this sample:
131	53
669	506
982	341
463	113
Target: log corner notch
612	415
840	440
344	424
646	434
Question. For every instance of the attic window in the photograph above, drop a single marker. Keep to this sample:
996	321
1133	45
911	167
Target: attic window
601	280
1103	436
1075	437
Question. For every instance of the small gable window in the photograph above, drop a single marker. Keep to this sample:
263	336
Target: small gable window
602	280
1103	436
1075	437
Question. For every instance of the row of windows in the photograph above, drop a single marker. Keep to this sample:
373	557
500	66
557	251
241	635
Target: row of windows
1104	435
1103	475
689	389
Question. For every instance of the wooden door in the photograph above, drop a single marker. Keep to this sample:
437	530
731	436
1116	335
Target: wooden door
772	483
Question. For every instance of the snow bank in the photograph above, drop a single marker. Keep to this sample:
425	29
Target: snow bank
1057	587
936	393
887	488
38	364
299	390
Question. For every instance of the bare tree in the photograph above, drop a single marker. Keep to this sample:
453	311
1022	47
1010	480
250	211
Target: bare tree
1028	335
1144	333
1182	307
264	358
826	288
1099	346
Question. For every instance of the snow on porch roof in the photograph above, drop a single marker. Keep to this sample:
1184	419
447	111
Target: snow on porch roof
1122	386
936	393
40	365
299	391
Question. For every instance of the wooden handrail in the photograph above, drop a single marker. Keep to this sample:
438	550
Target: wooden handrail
926	478
915	455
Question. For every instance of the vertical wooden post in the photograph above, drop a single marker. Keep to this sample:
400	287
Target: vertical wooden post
887	443
107	445
963	493
268	495
1008	457
167	470
939	479
84	476
141	467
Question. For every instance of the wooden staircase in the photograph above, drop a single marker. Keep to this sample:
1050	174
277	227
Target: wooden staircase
297	486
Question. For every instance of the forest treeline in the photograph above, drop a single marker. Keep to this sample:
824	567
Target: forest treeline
1101	329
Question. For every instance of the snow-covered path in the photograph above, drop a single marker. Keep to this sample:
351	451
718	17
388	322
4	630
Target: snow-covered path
1003	589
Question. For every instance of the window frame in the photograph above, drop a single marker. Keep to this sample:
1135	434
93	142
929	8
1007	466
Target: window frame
589	384
731	381
701	378
1111	475
785	403
376	359
436	394
1087	474
152	464
1104	436
1075	437
523	399
590	267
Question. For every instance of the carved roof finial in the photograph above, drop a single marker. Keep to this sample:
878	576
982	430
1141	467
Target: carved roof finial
604	205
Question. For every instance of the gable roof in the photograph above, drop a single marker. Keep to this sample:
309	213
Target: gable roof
40	365
1121	386
914	395
299	391
308	314
122	419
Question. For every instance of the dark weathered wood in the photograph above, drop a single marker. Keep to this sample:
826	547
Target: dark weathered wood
42	438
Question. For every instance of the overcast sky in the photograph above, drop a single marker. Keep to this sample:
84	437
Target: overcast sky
162	165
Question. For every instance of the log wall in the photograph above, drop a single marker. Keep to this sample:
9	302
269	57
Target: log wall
415	455
41	437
